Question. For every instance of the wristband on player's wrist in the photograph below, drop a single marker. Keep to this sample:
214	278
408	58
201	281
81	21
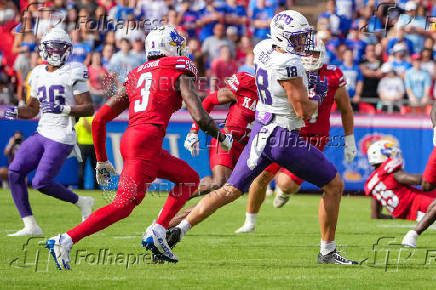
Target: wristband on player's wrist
66	110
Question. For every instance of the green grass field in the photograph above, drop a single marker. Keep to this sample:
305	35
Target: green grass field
281	254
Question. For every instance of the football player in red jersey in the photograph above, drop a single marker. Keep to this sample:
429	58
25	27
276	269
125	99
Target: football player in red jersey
152	93
429	176
241	93
391	187
316	132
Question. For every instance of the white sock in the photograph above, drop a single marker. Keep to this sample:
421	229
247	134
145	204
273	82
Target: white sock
29	221
250	219
280	191
184	226
66	240
327	247
413	233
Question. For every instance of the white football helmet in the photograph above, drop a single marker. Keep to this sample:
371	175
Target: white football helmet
316	58
165	41
291	32
381	150
55	47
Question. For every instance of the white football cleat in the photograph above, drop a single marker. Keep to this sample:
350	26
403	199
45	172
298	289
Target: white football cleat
155	241
409	239
245	229
280	200
85	204
60	248
33	230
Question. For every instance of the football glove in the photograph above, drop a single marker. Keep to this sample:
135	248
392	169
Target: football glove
54	109
226	144
321	88
350	148
11	113
103	172
312	79
191	144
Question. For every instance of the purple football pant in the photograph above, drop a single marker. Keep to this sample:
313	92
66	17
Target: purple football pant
47	156
290	151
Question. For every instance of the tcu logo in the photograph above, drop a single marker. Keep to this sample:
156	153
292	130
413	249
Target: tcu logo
285	17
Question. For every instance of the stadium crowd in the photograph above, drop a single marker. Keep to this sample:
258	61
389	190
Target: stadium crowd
387	54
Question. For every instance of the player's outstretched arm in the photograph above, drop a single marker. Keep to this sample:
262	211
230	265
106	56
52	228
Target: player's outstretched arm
342	100
376	210
297	95
30	110
195	108
406	178
222	97
109	111
84	107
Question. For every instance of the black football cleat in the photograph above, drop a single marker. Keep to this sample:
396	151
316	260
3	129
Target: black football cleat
173	236
335	258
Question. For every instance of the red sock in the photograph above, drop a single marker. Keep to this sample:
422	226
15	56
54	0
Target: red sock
175	201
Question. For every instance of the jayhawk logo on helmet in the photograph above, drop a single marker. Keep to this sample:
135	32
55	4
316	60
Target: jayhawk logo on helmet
177	39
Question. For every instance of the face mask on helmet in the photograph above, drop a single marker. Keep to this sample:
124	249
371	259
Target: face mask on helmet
54	52
315	58
299	42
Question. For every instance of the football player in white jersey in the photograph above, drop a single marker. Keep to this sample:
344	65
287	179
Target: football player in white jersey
60	93
284	105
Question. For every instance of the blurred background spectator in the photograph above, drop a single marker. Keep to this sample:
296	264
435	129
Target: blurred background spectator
354	78
9	151
97	75
390	90
108	36
417	82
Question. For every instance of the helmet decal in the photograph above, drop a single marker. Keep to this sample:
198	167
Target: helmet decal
177	39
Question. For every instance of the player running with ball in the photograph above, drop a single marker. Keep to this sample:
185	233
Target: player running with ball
152	93
59	91
282	88
316	132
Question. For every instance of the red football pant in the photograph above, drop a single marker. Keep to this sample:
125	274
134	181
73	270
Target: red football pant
218	156
421	203
274	168
430	170
144	160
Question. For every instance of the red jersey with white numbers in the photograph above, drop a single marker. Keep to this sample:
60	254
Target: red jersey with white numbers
151	88
382	186
241	113
321	124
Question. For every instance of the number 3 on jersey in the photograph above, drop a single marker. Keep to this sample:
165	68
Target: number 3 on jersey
141	105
